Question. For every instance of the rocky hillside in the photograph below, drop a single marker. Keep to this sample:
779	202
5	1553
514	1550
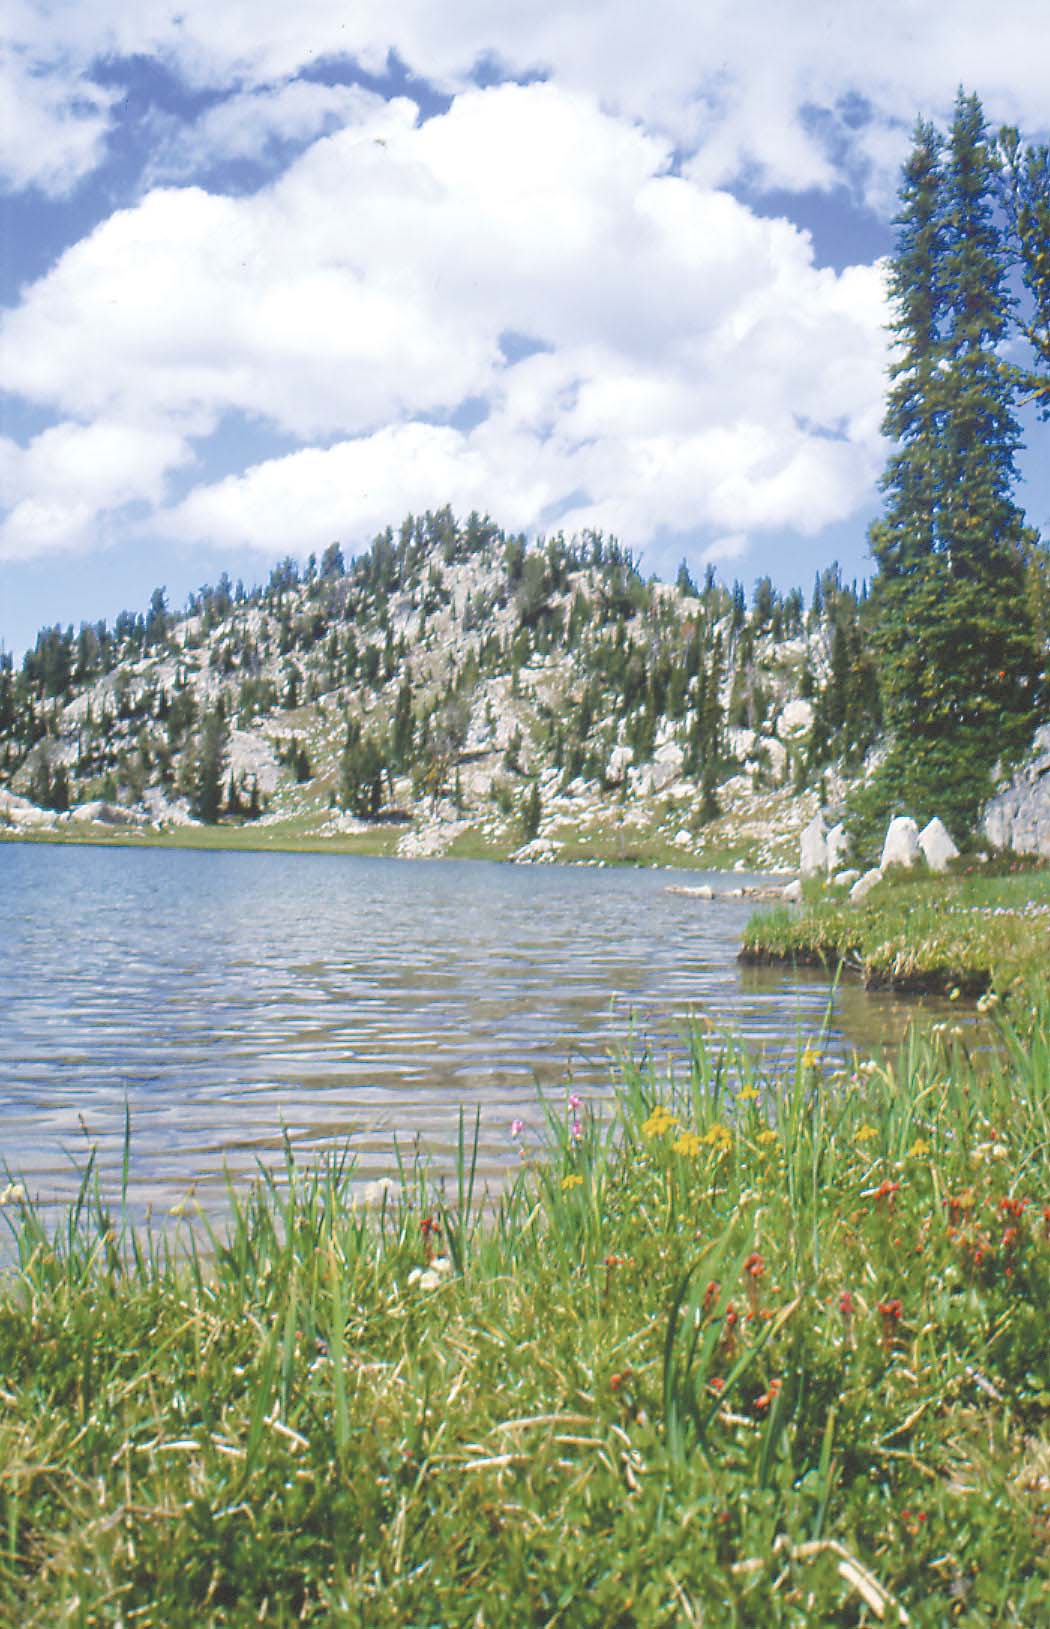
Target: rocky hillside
452	690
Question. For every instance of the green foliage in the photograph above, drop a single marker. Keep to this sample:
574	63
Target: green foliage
531	811
958	658
208	767
751	1348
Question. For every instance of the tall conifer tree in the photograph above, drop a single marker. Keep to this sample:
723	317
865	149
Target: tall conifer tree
958	655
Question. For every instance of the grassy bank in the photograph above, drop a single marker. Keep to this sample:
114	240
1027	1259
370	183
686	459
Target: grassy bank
751	1351
968	931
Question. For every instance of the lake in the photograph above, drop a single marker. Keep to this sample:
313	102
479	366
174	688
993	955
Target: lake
223	995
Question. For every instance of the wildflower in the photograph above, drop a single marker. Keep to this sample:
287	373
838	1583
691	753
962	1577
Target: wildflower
768	1136
890	1313
13	1194
847	1309
576	1131
811	1058
659	1123
767	1397
573	1180
429	1278
716	1384
755	1268
887	1191
617	1381
957	1205
711	1294
919	1149
376	1192
575	1102
517	1127
954	993
430	1230
987	1001
718	1137
1013	1207
865	1133
748	1094
688	1144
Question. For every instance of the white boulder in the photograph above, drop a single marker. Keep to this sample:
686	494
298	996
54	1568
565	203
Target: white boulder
666	766
618	765
796	720
902	843
792	892
937	846
838	847
814	848
19	812
845	878
863	885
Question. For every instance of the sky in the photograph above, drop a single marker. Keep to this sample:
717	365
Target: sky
273	276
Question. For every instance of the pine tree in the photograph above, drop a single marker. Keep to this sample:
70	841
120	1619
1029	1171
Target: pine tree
1025	191
958	659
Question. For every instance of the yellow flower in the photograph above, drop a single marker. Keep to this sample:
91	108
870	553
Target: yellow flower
659	1123
718	1136
919	1149
571	1181
767	1136
748	1094
866	1133
811	1058
688	1143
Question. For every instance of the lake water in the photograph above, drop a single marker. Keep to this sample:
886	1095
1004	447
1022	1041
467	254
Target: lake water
223	995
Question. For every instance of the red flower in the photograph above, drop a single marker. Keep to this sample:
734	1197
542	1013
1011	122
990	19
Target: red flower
768	1396
890	1313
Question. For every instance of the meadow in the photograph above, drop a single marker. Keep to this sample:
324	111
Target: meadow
751	1348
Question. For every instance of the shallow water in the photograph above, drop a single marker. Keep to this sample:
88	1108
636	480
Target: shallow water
223	996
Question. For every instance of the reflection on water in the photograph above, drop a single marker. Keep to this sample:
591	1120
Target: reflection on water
225	995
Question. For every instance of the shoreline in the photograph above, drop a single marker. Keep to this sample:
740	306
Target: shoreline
379	844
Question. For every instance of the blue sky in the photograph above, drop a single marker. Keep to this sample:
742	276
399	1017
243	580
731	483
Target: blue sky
270	278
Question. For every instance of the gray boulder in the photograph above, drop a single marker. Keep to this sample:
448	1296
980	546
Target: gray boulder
1018	817
902	843
937	846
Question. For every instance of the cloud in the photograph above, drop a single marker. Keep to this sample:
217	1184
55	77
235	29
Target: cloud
53	123
731	547
254	124
791	96
67	487
693	357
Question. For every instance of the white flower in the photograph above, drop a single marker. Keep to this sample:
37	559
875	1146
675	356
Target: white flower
376	1192
13	1194
428	1278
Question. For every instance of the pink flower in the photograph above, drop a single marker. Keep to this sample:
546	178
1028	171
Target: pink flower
576	1131
575	1102
517	1127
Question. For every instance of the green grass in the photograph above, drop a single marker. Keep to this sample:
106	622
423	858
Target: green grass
967	931
748	1351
